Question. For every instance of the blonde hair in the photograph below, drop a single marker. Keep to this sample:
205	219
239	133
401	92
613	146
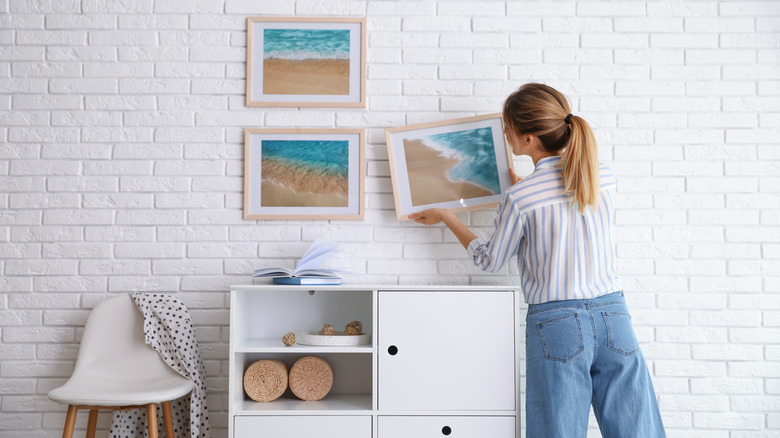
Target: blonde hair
543	111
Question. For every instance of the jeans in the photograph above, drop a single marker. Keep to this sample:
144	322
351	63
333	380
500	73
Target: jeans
583	352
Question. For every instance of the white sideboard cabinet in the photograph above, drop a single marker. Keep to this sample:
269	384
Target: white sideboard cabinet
443	360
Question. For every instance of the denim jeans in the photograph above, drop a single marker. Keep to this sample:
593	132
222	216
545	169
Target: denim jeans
583	352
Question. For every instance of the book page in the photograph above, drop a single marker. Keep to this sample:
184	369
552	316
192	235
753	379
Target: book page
318	252
272	272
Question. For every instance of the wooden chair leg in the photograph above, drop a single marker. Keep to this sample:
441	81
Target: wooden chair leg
167	419
92	424
151	419
70	422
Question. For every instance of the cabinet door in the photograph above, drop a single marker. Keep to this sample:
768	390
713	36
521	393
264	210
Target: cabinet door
302	426
432	427
446	351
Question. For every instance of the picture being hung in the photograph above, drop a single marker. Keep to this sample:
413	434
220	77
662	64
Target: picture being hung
306	62
460	164
304	174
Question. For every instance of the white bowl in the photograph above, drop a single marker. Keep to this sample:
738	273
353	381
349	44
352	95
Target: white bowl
340	339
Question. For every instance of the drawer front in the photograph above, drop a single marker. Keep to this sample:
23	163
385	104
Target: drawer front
294	426
443	426
446	351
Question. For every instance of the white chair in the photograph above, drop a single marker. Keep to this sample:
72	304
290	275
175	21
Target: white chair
117	370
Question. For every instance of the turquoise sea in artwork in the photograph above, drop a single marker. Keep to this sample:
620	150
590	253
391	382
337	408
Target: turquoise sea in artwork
476	152
304	173
322	157
300	44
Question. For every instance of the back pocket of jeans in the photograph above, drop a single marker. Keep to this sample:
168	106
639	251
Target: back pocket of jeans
620	333
561	337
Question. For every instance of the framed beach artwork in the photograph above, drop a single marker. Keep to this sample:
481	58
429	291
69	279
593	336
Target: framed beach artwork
304	173
460	164
306	62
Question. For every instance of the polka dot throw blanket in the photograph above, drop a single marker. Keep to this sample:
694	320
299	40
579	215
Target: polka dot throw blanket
168	329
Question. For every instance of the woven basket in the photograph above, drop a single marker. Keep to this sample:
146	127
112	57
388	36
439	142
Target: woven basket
265	380
311	378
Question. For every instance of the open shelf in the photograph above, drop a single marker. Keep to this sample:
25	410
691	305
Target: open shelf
261	317
351	390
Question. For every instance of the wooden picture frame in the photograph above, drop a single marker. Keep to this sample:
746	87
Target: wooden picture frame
460	164
304	174
306	62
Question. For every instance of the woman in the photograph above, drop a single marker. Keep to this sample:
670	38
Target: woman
580	344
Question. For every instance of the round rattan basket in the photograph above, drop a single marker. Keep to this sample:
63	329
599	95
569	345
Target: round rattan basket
311	378
266	380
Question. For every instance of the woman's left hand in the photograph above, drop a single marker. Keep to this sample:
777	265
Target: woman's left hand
432	216
513	176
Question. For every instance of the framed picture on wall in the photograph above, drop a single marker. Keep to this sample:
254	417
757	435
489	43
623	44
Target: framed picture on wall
304	173
306	62
460	164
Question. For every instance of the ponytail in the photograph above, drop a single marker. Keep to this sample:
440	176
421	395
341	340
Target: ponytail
580	164
541	110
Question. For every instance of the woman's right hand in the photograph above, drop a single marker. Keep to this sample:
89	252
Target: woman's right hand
432	216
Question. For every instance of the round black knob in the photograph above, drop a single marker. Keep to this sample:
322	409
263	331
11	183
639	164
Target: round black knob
393	350
446	430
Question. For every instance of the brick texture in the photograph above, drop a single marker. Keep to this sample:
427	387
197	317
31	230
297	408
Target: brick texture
121	161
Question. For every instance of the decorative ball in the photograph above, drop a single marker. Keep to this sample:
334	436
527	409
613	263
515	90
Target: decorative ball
289	339
358	325
328	330
351	330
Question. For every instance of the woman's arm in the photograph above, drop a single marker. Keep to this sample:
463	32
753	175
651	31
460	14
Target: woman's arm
489	255
435	215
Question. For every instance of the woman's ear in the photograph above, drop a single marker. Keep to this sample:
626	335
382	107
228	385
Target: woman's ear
532	141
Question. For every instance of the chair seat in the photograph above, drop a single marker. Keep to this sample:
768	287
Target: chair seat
111	391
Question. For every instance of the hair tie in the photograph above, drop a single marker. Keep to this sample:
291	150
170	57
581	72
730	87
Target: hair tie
567	119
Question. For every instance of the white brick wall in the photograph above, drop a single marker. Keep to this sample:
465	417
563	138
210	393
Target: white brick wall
121	130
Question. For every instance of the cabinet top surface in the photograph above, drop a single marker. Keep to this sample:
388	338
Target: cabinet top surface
369	288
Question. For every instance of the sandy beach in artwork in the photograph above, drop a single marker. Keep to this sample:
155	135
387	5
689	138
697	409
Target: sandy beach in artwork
428	181
284	185
307	76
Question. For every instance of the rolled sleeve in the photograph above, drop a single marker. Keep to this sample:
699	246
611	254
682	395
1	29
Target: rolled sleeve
473	246
492	254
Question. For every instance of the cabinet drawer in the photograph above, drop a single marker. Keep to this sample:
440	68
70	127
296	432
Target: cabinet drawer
297	426
442	426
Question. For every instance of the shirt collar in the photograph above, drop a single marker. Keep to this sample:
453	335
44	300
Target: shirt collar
548	162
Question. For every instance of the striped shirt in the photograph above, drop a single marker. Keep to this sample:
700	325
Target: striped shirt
562	254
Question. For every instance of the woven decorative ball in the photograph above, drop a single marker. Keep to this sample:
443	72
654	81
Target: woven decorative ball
289	339
351	331
266	380
328	330
311	378
356	324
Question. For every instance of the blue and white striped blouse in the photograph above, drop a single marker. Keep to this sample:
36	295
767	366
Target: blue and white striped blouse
562	254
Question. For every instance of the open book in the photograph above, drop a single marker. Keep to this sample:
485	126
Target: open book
308	266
